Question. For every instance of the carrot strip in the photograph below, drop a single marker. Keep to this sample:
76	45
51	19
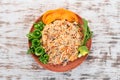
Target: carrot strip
61	14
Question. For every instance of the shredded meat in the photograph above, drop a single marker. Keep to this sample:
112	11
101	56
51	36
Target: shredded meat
61	40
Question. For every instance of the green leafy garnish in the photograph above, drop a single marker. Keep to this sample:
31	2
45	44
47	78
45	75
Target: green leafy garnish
36	42
30	37
83	51
39	51
34	35
31	50
86	31
44	58
40	25
36	47
37	34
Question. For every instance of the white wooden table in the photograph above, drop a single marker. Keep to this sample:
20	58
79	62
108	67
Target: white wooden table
16	18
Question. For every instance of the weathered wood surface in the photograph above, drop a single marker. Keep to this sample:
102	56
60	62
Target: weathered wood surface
16	18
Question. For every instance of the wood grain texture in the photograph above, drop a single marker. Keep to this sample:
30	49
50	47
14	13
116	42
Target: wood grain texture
17	17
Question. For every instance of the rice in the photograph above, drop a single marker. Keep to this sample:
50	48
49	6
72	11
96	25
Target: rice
61	40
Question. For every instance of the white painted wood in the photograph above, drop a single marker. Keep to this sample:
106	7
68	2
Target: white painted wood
16	18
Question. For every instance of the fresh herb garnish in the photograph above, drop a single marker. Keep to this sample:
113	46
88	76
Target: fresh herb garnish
36	42
86	31
36	47
39	51
40	25
83	50
44	58
36	34
31	50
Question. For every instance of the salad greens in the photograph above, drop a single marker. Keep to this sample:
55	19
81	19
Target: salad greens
83	50
86	31
36	47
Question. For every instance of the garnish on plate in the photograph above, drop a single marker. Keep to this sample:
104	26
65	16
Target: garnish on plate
36	46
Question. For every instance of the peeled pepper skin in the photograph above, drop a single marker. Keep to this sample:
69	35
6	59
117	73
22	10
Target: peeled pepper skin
60	14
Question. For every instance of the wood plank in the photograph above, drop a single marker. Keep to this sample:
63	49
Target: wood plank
17	17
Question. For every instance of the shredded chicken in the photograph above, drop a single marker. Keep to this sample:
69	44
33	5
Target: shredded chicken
61	40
